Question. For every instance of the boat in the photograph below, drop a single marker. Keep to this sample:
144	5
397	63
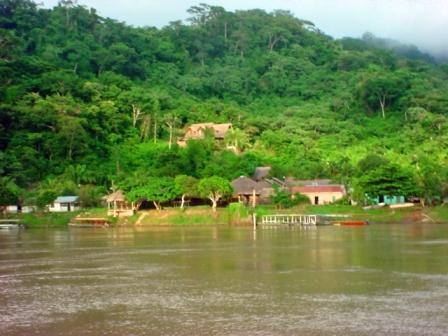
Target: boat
90	222
351	223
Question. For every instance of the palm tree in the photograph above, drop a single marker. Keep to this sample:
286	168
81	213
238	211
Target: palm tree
236	139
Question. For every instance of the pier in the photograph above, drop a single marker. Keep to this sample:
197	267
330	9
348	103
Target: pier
11	224
90	222
288	220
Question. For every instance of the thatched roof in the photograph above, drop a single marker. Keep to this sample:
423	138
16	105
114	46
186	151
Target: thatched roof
117	196
245	186
221	130
261	173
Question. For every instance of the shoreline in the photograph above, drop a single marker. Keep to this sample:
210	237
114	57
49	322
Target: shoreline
237	216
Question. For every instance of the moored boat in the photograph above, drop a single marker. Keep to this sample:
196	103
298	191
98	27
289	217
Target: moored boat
351	223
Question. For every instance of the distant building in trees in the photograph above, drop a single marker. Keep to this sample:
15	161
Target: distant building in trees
199	131
65	204
246	190
257	189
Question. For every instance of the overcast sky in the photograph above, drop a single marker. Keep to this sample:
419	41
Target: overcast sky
421	22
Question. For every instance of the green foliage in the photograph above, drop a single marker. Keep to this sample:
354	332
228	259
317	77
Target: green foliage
155	189
387	180
214	188
283	199
9	191
45	198
90	195
301	199
91	101
186	185
430	179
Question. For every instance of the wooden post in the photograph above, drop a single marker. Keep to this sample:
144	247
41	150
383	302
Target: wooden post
254	200
254	221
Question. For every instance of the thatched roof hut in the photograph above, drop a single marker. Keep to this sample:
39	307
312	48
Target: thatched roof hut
117	196
117	204
245	186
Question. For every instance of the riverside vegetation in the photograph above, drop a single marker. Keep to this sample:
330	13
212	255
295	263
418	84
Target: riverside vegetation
89	103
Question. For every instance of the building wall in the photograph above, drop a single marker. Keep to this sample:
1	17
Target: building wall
324	197
12	209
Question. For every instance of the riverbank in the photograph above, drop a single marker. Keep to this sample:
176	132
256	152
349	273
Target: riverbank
236	214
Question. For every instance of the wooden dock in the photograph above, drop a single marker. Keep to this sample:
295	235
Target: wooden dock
288	220
9	224
90	222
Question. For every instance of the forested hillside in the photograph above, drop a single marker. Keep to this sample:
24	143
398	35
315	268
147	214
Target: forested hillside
87	102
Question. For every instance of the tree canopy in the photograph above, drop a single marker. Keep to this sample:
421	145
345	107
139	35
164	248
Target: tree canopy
97	102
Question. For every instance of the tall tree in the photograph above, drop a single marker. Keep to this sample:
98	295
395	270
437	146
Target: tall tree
214	188
154	189
186	186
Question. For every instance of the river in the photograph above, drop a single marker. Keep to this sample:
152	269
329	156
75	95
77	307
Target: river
375	280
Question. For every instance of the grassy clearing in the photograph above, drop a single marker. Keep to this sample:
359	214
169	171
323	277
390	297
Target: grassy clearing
232	215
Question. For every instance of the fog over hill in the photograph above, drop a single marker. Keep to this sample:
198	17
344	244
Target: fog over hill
423	23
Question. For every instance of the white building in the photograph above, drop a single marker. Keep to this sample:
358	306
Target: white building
12	209
65	204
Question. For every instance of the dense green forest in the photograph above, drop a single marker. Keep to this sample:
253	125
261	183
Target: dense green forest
87	103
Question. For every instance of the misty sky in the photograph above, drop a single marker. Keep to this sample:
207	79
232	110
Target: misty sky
421	22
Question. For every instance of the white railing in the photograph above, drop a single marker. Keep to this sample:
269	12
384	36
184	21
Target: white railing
292	219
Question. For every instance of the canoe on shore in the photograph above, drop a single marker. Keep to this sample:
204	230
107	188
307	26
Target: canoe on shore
351	223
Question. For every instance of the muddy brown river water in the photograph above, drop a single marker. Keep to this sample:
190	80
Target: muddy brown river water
375	280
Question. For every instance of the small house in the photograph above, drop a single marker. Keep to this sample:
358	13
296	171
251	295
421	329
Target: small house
388	200
321	194
65	204
118	206
199	131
